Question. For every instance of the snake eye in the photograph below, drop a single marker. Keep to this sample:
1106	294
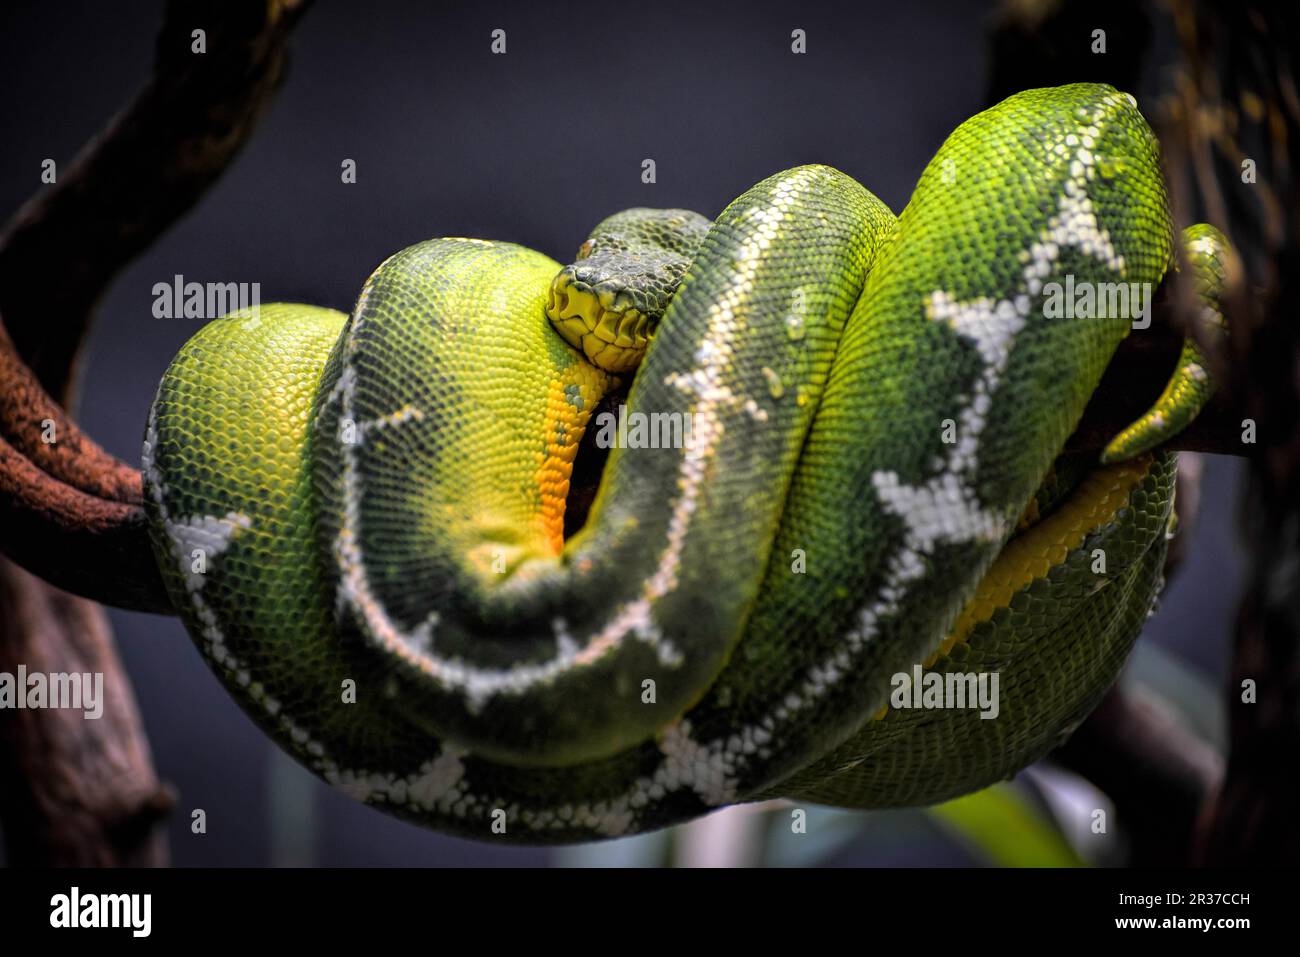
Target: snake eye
585	249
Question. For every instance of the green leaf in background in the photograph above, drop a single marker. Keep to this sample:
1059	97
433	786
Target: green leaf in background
1000	824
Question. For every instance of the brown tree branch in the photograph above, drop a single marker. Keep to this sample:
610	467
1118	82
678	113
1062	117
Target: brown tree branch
70	511
97	547
39	430
140	175
73	790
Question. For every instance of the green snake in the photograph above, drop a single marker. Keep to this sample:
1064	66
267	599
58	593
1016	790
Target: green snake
393	538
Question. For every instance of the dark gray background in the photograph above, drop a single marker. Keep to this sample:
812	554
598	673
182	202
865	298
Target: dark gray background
533	147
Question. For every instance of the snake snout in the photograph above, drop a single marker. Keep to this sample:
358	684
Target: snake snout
599	319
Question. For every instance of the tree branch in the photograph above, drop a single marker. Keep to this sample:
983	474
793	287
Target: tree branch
1233	120
72	790
1156	771
70	511
1233	99
140	175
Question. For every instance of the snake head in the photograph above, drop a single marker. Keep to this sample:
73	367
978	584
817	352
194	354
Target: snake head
608	302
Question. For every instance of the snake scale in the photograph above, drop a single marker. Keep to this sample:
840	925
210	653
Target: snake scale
368	522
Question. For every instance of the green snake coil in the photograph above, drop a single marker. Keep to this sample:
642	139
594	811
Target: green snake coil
362	519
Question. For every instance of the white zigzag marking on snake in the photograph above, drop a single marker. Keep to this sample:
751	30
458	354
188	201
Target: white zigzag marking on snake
432	780
477	684
216	535
407	413
354	586
207	534
705	382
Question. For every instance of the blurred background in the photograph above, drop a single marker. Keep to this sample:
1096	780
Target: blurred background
535	147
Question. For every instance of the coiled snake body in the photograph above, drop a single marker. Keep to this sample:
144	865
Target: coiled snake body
362	519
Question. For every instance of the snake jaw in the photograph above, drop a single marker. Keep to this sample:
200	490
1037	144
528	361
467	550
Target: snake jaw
608	302
603	324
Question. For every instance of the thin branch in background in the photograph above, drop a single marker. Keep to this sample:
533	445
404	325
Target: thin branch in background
1156	771
1232	98
140	175
1234	111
